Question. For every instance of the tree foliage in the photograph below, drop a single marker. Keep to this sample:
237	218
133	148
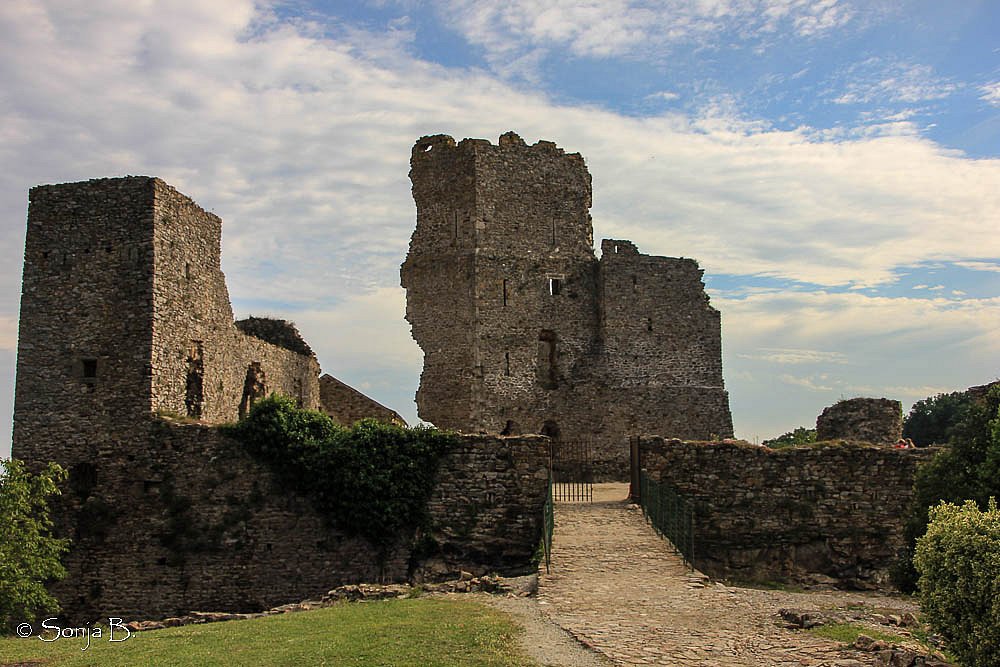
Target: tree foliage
372	479
933	420
967	469
29	554
959	564
800	436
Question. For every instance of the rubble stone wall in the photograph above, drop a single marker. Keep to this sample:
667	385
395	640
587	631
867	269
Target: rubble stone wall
189	521
878	420
347	405
835	509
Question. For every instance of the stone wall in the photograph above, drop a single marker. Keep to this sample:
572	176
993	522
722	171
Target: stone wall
525	331
833	509
189	521
876	420
347	405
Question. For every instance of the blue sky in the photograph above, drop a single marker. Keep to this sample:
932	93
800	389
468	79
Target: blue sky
833	165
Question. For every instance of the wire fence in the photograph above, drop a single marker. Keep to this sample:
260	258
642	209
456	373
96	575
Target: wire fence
670	514
548	527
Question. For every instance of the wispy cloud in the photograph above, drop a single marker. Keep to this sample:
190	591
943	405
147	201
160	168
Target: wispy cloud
991	93
793	356
630	28
877	80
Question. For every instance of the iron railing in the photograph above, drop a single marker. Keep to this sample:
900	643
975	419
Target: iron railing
670	514
571	471
548	526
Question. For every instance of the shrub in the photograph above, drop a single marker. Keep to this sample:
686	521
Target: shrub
959	564
29	555
933	420
372	479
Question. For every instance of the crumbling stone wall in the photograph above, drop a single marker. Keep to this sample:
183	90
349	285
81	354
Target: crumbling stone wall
524	330
347	405
875	420
834	510
189	521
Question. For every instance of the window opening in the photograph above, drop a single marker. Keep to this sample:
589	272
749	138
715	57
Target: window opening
553	232
90	369
649	324
194	395
506	361
254	388
555	286
505	291
547	357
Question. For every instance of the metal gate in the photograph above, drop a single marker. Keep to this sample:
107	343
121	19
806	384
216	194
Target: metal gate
571	471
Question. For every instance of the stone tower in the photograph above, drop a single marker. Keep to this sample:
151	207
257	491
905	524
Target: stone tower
125	314
524	330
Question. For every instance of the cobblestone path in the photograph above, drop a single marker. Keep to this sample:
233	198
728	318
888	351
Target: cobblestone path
619	588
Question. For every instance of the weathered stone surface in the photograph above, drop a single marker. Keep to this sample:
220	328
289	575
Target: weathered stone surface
874	420
347	405
832	509
525	331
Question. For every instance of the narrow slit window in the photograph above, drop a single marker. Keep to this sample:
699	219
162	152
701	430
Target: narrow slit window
506	363
555	286
456	225
89	369
505	291
553	232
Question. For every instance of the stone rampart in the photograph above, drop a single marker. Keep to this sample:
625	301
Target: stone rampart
876	420
189	521
833	509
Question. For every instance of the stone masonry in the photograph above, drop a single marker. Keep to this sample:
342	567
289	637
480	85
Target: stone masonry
833	509
874	420
128	354
524	330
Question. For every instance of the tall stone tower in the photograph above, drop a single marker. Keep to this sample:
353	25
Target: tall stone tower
125	314
524	330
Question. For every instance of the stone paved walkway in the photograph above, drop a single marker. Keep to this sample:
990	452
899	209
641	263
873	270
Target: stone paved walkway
618	587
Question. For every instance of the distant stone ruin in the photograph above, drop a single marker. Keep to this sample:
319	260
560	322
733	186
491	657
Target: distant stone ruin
875	420
524	330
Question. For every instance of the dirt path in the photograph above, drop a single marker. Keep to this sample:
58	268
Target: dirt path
619	588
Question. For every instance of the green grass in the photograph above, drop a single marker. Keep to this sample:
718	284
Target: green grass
424	631
848	632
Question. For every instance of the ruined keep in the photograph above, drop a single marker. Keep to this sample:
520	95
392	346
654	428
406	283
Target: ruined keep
128	355
524	330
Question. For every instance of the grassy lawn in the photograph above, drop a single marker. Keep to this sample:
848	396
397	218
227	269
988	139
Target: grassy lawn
396	632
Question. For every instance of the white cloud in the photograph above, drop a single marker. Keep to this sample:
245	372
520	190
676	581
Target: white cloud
8	333
877	80
634	28
979	266
793	356
991	93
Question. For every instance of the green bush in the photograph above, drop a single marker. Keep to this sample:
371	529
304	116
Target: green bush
29	555
372	479
959	564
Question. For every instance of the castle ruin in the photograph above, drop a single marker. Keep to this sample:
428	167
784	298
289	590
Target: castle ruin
524	330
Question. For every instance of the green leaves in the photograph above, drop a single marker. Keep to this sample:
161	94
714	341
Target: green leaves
959	564
372	479
29	555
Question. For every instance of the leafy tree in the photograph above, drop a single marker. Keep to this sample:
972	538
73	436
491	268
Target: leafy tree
29	555
967	469
959	564
934	419
800	436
